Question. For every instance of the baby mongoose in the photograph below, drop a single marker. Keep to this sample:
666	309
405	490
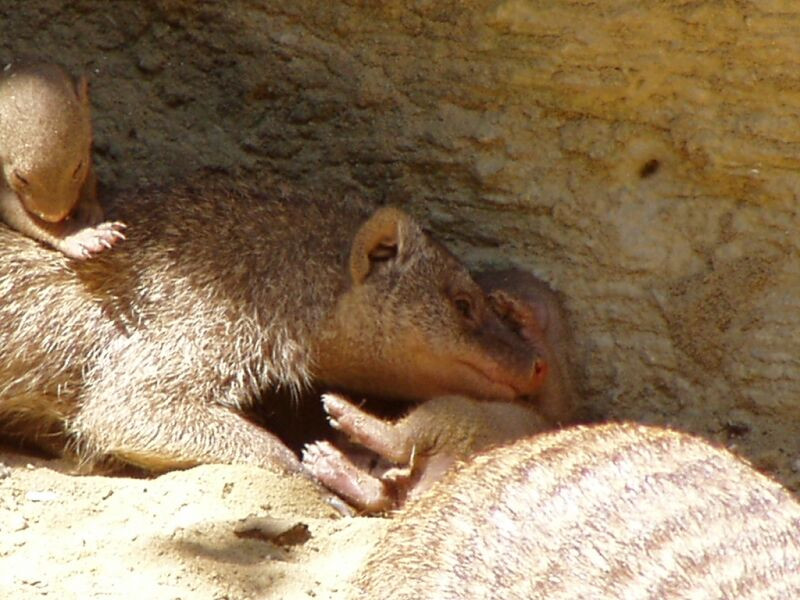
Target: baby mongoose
603	512
419	448
47	188
227	292
407	456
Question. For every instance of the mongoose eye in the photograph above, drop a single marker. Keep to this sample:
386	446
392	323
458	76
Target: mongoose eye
464	307
383	252
77	170
19	178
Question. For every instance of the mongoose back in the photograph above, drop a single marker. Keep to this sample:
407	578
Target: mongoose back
604	512
148	353
47	189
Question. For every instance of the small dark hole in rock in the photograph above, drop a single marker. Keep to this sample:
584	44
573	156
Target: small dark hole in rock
649	168
736	429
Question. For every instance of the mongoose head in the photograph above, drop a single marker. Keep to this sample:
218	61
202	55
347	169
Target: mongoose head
413	324
539	313
45	137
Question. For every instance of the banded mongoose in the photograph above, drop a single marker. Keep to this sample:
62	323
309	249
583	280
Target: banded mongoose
602	512
409	455
48	187
148	353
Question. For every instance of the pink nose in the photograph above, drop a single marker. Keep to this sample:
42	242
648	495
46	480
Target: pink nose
540	371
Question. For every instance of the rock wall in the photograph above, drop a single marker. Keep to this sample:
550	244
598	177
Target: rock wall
644	160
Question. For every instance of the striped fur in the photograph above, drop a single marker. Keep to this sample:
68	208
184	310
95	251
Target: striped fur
616	511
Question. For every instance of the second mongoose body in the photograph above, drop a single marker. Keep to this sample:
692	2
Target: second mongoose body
604	512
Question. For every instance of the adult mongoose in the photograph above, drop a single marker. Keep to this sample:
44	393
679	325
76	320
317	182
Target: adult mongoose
602	512
48	188
229	291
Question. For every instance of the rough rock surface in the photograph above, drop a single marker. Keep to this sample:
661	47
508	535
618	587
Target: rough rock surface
643	160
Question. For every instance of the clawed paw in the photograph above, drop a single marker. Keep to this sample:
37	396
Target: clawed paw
91	241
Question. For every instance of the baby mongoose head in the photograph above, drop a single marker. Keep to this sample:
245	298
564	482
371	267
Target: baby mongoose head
413	321
539	312
45	137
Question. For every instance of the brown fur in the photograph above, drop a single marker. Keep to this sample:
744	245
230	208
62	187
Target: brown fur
148	353
47	188
606	512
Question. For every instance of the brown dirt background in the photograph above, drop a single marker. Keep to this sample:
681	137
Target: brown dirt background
642	159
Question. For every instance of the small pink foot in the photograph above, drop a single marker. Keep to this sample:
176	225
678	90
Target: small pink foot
91	241
336	472
369	431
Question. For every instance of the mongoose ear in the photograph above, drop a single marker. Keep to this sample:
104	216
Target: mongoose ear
82	90
378	239
529	318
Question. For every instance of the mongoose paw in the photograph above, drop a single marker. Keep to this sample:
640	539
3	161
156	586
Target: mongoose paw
91	241
342	415
366	430
338	473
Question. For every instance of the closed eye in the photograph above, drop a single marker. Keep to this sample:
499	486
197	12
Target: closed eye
383	252
464	307
77	170
20	179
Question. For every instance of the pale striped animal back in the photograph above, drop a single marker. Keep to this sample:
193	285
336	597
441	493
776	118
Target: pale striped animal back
616	511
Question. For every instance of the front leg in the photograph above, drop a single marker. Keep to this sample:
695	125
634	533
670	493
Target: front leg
336	470
76	237
392	441
160	434
422	446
